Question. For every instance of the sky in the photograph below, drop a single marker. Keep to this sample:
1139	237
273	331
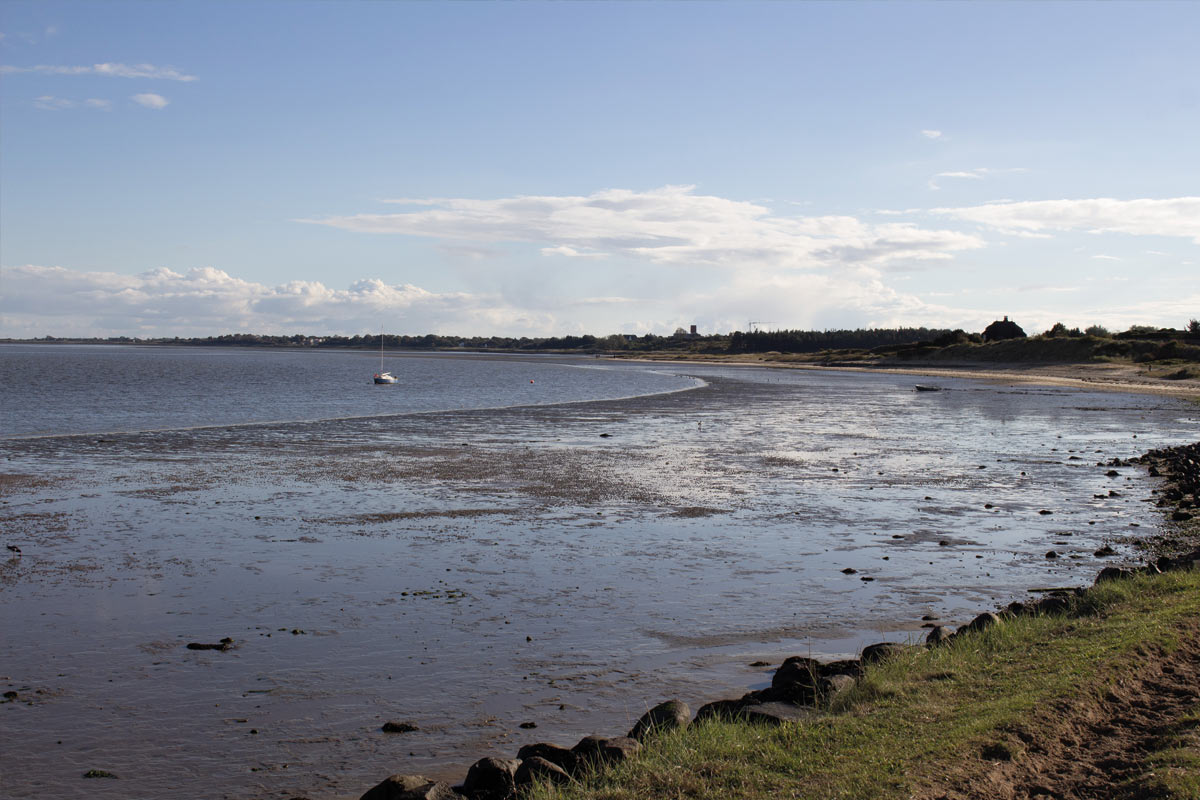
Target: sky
537	169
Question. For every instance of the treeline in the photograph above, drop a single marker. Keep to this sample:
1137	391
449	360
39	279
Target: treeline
880	340
816	341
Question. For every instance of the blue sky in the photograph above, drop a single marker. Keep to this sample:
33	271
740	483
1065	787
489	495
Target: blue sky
550	168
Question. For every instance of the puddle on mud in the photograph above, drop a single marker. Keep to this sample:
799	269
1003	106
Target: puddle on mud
470	571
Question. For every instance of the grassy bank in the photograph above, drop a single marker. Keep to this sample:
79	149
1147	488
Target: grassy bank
1101	693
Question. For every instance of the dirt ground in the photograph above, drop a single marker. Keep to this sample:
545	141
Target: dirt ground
1099	749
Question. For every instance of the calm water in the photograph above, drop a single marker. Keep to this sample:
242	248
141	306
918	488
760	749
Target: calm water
470	569
59	389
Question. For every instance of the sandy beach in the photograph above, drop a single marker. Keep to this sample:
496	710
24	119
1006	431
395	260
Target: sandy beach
1111	377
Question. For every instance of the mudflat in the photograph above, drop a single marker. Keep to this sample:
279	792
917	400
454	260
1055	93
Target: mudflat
465	573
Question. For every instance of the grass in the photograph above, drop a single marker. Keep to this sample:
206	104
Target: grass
982	696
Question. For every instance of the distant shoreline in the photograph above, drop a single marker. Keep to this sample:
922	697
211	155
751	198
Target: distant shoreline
1110	377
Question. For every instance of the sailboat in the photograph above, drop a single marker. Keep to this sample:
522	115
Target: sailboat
381	376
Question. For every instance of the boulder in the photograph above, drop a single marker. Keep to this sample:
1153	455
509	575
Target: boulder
720	709
561	757
1114	574
796	670
848	666
491	778
774	714
984	621
835	685
1053	604
536	768
875	653
410	787
597	751
939	635
663	717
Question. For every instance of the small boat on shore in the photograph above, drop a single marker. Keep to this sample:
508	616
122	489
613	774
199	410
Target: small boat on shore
922	387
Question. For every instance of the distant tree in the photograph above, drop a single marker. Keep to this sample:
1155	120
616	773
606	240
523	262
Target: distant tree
1193	326
1059	330
1097	330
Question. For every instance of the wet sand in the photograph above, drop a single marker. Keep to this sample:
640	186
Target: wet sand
467	572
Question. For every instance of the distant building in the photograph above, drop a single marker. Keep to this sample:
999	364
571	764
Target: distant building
1002	329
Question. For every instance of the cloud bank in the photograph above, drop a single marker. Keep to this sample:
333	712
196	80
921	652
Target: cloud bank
1178	216
40	300
670	226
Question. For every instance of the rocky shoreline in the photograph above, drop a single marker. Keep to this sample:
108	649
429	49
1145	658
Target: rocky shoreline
803	687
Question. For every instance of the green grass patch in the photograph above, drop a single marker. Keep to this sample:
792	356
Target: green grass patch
910	719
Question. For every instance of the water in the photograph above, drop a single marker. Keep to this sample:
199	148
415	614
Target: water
471	569
62	389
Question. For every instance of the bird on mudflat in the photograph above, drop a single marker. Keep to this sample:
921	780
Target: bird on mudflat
14	548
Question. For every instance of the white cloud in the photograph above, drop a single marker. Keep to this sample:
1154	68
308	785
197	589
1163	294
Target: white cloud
979	173
931	134
1177	216
1106	258
570	252
670	226
107	70
49	102
151	100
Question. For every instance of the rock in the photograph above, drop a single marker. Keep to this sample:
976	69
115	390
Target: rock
1045	511
835	685
663	717
1181	516
560	757
1053	604
598	751
775	713
849	666
528	725
939	635
491	778
849	571
720	709
399	727
536	768
1105	551
796	669
1051	554
983	621
396	787
874	653
222	646
98	773
1114	574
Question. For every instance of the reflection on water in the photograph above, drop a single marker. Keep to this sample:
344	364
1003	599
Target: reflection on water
468	571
